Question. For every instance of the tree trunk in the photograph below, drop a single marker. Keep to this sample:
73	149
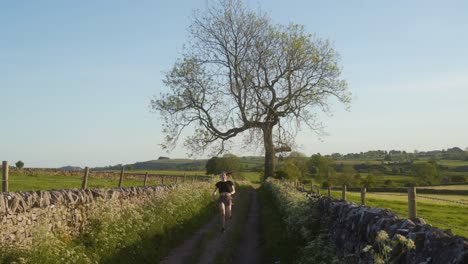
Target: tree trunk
269	152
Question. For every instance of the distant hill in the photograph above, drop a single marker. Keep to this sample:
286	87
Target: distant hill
162	164
247	164
171	164
70	168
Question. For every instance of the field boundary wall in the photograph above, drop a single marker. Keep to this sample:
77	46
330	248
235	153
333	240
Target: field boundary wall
352	227
64	212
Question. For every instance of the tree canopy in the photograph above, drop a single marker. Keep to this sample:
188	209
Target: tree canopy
227	163
19	164
243	76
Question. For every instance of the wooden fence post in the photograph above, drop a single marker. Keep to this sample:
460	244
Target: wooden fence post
176	179
162	180
363	196
412	210
121	177
185	177
329	191
84	183
146	179
5	176
343	192
318	189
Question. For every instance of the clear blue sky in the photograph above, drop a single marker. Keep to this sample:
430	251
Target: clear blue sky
76	77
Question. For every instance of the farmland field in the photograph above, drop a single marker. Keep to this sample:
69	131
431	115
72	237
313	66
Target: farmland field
447	187
358	161
398	180
251	176
168	172
44	181
452	163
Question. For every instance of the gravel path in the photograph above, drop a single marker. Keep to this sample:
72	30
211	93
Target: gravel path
181	253
248	250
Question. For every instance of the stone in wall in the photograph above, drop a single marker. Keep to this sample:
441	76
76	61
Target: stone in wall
65	211
352	227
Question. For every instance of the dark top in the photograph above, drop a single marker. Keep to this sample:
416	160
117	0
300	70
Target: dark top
224	186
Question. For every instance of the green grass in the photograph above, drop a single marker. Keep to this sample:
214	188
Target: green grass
398	180
447	187
358	161
444	212
24	182
251	176
169	172
275	248
452	163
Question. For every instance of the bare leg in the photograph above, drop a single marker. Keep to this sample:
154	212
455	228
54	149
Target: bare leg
228	211
222	212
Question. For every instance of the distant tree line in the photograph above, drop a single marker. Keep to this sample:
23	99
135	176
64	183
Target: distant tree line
454	153
328	171
333	170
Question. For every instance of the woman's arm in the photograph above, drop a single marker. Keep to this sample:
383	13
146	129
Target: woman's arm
214	192
233	190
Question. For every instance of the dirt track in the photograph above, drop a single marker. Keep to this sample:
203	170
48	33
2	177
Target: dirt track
207	243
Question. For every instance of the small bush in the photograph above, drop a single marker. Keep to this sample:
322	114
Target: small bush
19	164
457	178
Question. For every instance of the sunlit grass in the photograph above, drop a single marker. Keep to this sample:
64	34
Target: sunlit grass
447	187
41	181
251	176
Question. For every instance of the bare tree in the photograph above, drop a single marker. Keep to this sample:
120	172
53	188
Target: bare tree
243	76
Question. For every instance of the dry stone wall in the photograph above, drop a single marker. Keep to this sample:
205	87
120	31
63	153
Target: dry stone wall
352	227
65	212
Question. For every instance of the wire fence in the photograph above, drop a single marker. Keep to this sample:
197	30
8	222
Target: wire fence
388	194
32	180
384	200
443	200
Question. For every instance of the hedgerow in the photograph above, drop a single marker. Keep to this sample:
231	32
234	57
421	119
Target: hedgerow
138	234
300	216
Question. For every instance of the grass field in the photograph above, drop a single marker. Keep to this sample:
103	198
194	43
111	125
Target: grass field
449	163
251	176
398	180
169	172
23	182
354	162
436	213
452	163
447	187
